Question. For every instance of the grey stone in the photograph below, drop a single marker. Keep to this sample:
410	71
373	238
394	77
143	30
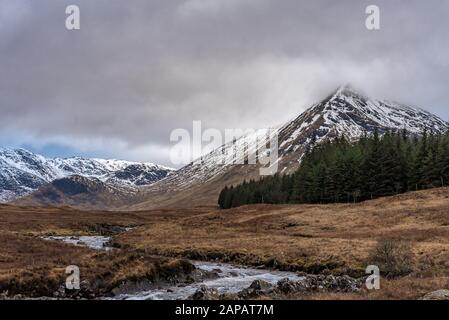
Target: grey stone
442	294
205	293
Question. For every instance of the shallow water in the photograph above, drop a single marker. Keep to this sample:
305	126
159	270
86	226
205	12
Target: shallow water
93	242
231	279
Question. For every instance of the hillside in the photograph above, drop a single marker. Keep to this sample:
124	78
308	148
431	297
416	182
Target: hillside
80	192
345	112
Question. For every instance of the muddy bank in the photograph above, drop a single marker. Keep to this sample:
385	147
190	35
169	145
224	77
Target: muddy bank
330	266
105	274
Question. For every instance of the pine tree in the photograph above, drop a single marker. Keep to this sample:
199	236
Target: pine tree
442	160
340	171
222	196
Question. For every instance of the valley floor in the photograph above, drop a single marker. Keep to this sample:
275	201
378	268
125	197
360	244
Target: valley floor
327	239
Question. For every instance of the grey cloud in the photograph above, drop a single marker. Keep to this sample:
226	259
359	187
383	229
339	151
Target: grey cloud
135	71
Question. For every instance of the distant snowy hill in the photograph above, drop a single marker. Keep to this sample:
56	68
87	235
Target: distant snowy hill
23	172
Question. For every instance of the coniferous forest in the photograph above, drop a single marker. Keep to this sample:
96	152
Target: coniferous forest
339	171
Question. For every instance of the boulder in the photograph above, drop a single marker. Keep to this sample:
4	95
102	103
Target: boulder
332	283
260	285
442	294
85	292
205	293
256	289
288	286
312	283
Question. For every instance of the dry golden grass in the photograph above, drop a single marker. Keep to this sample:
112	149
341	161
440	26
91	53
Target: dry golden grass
35	267
306	237
312	238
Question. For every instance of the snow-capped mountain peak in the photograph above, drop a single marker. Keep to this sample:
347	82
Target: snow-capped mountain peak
345	112
22	171
350	113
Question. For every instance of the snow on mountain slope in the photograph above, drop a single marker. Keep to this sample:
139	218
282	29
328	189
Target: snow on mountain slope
22	172
349	113
345	112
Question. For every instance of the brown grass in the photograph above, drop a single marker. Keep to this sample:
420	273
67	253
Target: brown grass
312	238
35	267
306	237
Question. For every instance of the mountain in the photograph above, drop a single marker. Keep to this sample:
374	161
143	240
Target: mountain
351	114
345	112
23	172
94	183
81	192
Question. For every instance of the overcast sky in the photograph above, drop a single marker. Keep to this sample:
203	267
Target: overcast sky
139	69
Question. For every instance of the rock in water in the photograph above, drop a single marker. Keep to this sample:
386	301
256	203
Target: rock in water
260	285
256	289
205	293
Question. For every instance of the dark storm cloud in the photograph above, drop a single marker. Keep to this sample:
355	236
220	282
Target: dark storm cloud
137	70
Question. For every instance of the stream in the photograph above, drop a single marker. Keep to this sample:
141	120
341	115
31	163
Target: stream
93	242
231	279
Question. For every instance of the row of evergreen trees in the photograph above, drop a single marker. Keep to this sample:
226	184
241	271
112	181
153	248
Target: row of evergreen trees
340	171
